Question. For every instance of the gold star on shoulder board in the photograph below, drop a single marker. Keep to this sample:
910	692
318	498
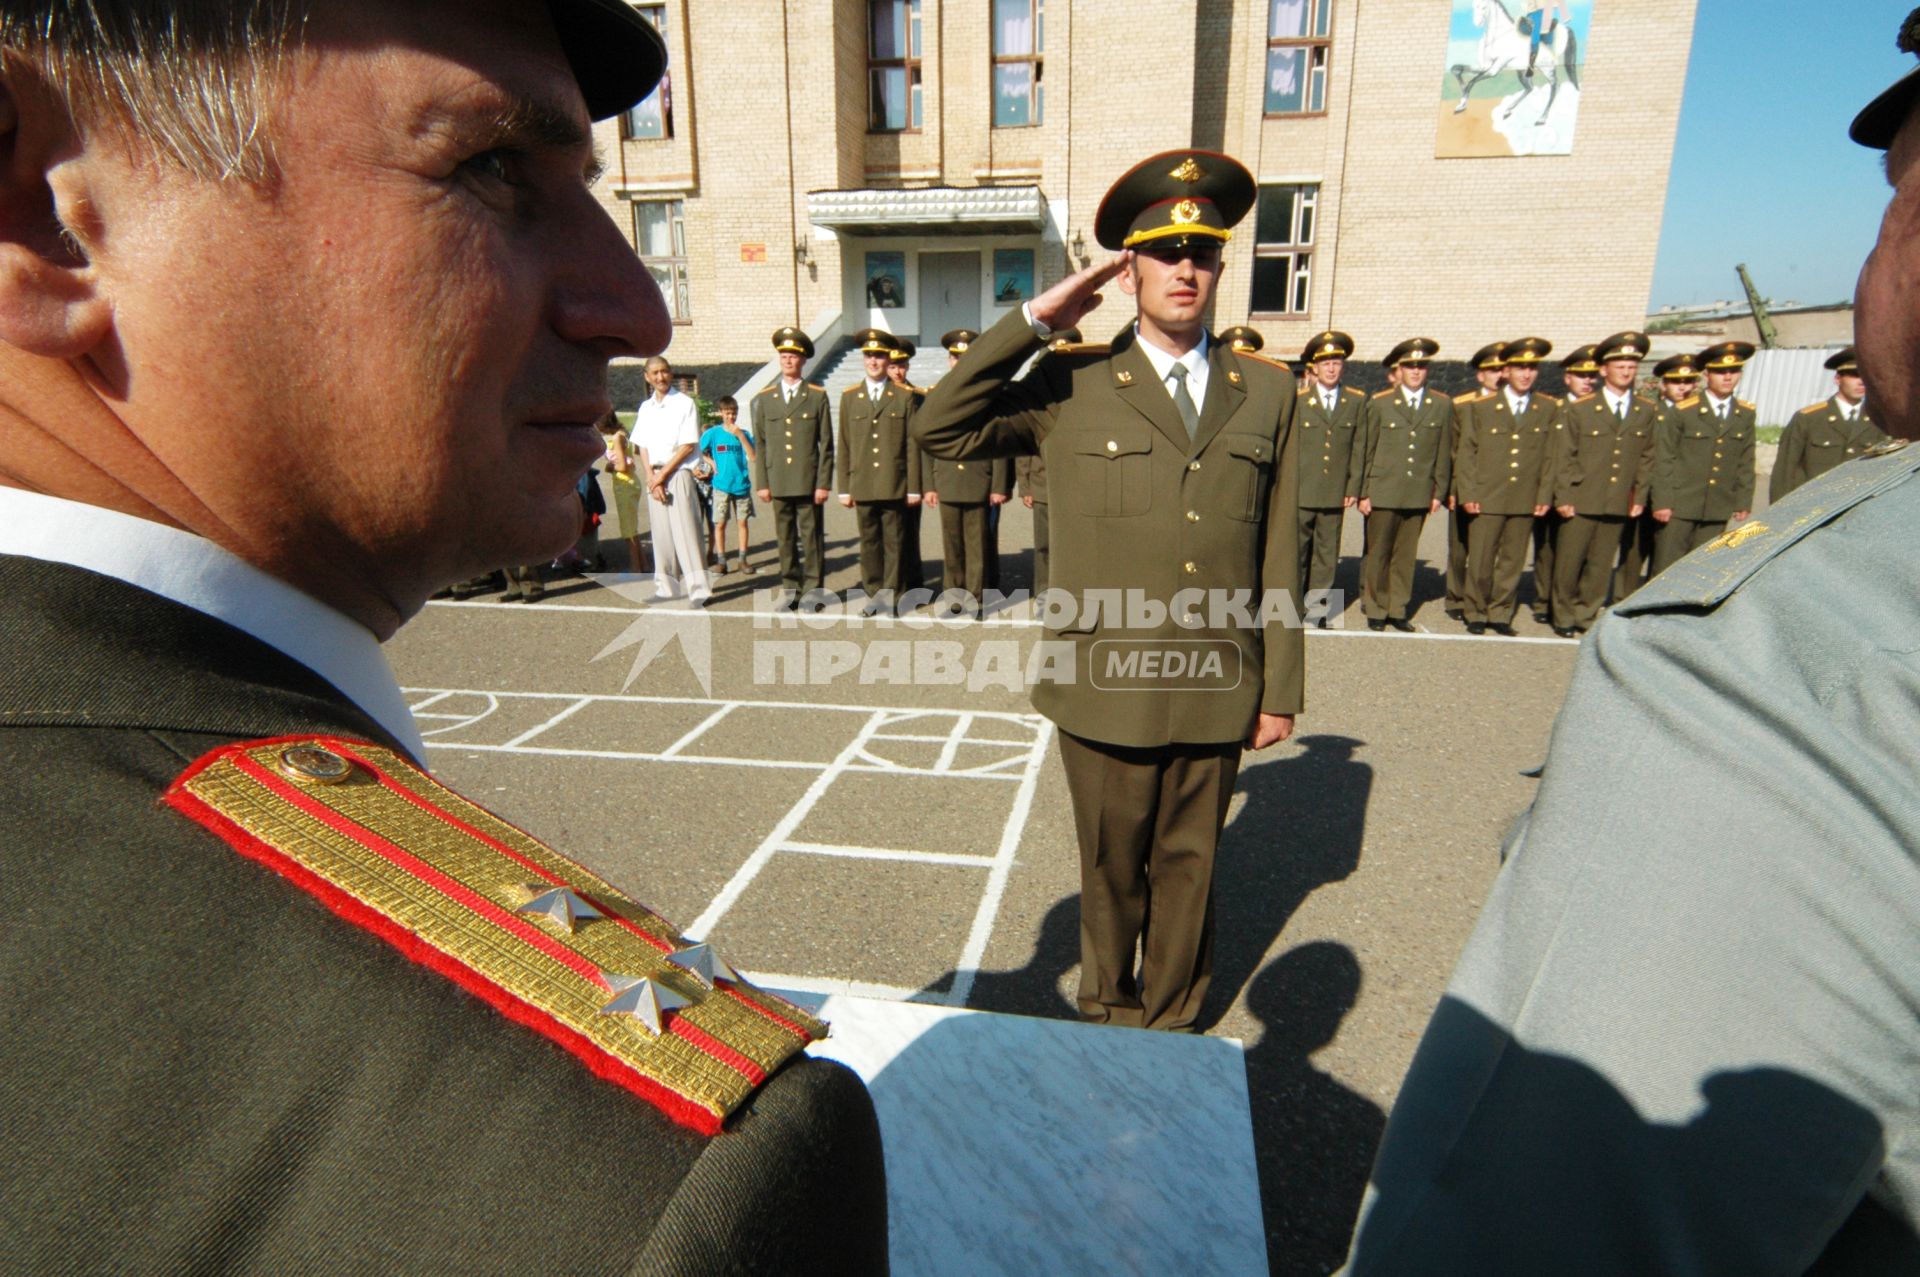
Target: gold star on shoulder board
559	905
706	965
642	999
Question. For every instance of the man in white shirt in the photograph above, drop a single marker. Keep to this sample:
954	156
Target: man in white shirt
666	430
275	1000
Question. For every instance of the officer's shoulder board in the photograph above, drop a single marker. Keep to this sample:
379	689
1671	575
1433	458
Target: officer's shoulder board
1468	397
919	390
1813	408
1251	357
1583	399
767	390
1710	574
1744	404
1691	401
541	939
1549	400
1352	392
1387	393
813	385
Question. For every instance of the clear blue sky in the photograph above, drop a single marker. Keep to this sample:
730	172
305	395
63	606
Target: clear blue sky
1763	172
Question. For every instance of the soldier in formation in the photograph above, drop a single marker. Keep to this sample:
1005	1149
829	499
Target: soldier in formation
1407	467
1504	478
879	471
1331	420
1824	434
1490	372
792	425
913	571
1703	460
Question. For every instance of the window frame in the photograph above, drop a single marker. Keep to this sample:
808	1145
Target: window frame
1297	251
909	65
678	271
654	11
1036	60
1317	61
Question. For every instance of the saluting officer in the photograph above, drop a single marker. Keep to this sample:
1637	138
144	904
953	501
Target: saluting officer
1504	477
1490	371
1331	420
879	470
1822	435
1407	467
793	467
1174	461
1601	482
1580	370
1703	460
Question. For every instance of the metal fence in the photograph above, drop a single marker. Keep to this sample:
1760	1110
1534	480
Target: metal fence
1779	383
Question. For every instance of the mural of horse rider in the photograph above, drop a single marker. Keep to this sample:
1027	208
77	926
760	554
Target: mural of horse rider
1536	23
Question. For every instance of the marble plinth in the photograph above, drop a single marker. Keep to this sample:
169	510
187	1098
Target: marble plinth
1029	1146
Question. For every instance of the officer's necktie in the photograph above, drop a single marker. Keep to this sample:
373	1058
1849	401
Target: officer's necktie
789	393
1621	409
1723	412
1182	401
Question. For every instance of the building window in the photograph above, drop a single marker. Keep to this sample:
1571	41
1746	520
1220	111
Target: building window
1019	38
660	231
653	117
1283	249
893	65
1297	48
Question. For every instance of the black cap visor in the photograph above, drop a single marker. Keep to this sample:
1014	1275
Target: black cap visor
616	54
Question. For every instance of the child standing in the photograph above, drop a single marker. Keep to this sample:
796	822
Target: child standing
626	490
731	452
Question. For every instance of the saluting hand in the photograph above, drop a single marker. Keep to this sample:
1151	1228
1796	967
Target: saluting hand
1069	301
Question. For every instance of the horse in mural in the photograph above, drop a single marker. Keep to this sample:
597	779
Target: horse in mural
1507	44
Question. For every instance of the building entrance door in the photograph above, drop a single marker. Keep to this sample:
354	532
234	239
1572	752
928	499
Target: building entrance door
949	293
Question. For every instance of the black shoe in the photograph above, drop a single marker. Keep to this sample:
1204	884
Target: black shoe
1540	617
870	609
1566	631
1400	623
786	602
1456	614
1319	622
1476	627
1375	623
1502	629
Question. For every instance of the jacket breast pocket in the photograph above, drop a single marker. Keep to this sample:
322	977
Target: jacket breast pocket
1109	471
1250	471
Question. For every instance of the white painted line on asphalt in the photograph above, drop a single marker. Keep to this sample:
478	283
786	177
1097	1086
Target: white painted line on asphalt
821	986
557	719
435	699
952	747
888	853
784	830
896	716
674	749
629	756
983	919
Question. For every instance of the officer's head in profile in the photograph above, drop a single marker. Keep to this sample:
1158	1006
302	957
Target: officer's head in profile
320	280
1886	317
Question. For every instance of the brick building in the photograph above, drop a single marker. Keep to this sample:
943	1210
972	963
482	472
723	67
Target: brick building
922	164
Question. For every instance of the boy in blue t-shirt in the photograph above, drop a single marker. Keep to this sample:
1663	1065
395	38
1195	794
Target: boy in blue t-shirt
732	455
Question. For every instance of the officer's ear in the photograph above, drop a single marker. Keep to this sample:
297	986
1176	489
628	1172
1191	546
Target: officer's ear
51	301
1129	276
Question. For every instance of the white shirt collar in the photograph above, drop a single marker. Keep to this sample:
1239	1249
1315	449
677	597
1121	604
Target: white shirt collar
1851	411
1516	403
1195	362
1716	403
1413	398
194	572
1616	397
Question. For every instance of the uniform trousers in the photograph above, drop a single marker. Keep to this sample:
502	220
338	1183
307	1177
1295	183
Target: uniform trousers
679	544
963	543
1546	530
883	526
1149	822
1496	559
1320	547
1459	536
803	546
1636	555
993	546
913	573
1040	577
1678	537
1583	568
1393	552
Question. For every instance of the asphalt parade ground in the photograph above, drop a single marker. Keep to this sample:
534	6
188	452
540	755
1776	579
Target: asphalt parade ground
843	822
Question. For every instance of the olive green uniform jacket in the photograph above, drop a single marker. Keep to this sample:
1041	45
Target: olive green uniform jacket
878	459
1605	465
1703	466
1330	458
1407	455
1143	508
1031	471
1817	439
206	1070
968	482
793	442
1505	463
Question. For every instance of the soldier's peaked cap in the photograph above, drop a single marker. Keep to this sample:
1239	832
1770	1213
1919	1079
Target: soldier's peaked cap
1876	125
1241	337
1626	345
1726	355
875	341
1582	359
902	351
1528	350
1844	360
1328	345
958	340
1492	355
1415	350
793	339
1173	198
1677	368
617	55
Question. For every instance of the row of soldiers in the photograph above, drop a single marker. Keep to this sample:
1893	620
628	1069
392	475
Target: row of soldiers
1606	487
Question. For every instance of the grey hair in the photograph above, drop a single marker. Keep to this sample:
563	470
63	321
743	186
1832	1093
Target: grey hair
189	80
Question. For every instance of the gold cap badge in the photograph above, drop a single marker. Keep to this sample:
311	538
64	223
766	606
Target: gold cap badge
1188	171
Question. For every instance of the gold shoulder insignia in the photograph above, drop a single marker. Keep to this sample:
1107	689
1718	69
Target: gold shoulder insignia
1691	401
1080	348
1744	404
1575	403
1352	392
813	385
1549	399
1262	359
1384	394
1821	406
1301	389
541	939
1467	397
767	390
1739	536
918	390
